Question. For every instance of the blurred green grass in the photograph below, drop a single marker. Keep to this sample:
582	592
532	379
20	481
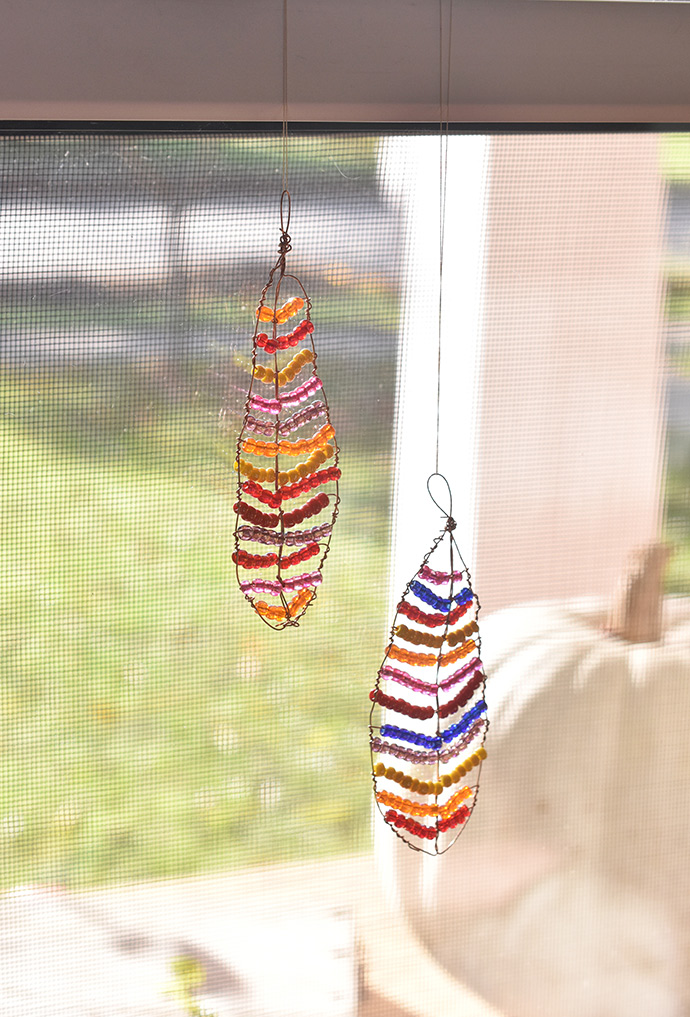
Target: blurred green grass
151	724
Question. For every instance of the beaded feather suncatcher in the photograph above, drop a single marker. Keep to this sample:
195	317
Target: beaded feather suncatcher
287	456
428	718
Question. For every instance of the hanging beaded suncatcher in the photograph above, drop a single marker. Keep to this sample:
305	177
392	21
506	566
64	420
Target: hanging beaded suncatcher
419	772
428	717
287	456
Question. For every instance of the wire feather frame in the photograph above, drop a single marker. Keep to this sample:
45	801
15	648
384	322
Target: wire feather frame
449	712
287	405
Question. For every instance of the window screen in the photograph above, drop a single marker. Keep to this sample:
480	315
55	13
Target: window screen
185	799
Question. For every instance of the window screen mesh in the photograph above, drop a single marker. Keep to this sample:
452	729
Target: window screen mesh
185	801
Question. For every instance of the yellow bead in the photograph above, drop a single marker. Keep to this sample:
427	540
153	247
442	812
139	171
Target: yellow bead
476	758
414	786
455	776
294	476
406	781
379	769
281	378
461	771
446	780
390	772
438	788
481	752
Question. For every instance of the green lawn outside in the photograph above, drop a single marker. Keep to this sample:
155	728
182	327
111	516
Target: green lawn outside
152	725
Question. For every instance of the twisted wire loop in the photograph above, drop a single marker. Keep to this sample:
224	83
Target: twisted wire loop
428	719
285	244
281	473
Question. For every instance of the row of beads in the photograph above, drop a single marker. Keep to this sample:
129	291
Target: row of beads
426	639
277	586
275	613
429	758
408	657
450	658
461	674
422	808
288	310
310	508
403	678
255	515
439	578
465	721
439	603
429	688
462	698
429	659
459	817
274	498
296	448
256	447
262	561
411	825
303	416
432	621
401	706
259	426
284	342
460	635
254	561
299	556
268	427
288	373
298	395
262	536
434	741
299	472
426	712
431	787
293	490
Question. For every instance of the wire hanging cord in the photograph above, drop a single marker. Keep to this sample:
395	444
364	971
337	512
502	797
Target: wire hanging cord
285	95
444	60
285	198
